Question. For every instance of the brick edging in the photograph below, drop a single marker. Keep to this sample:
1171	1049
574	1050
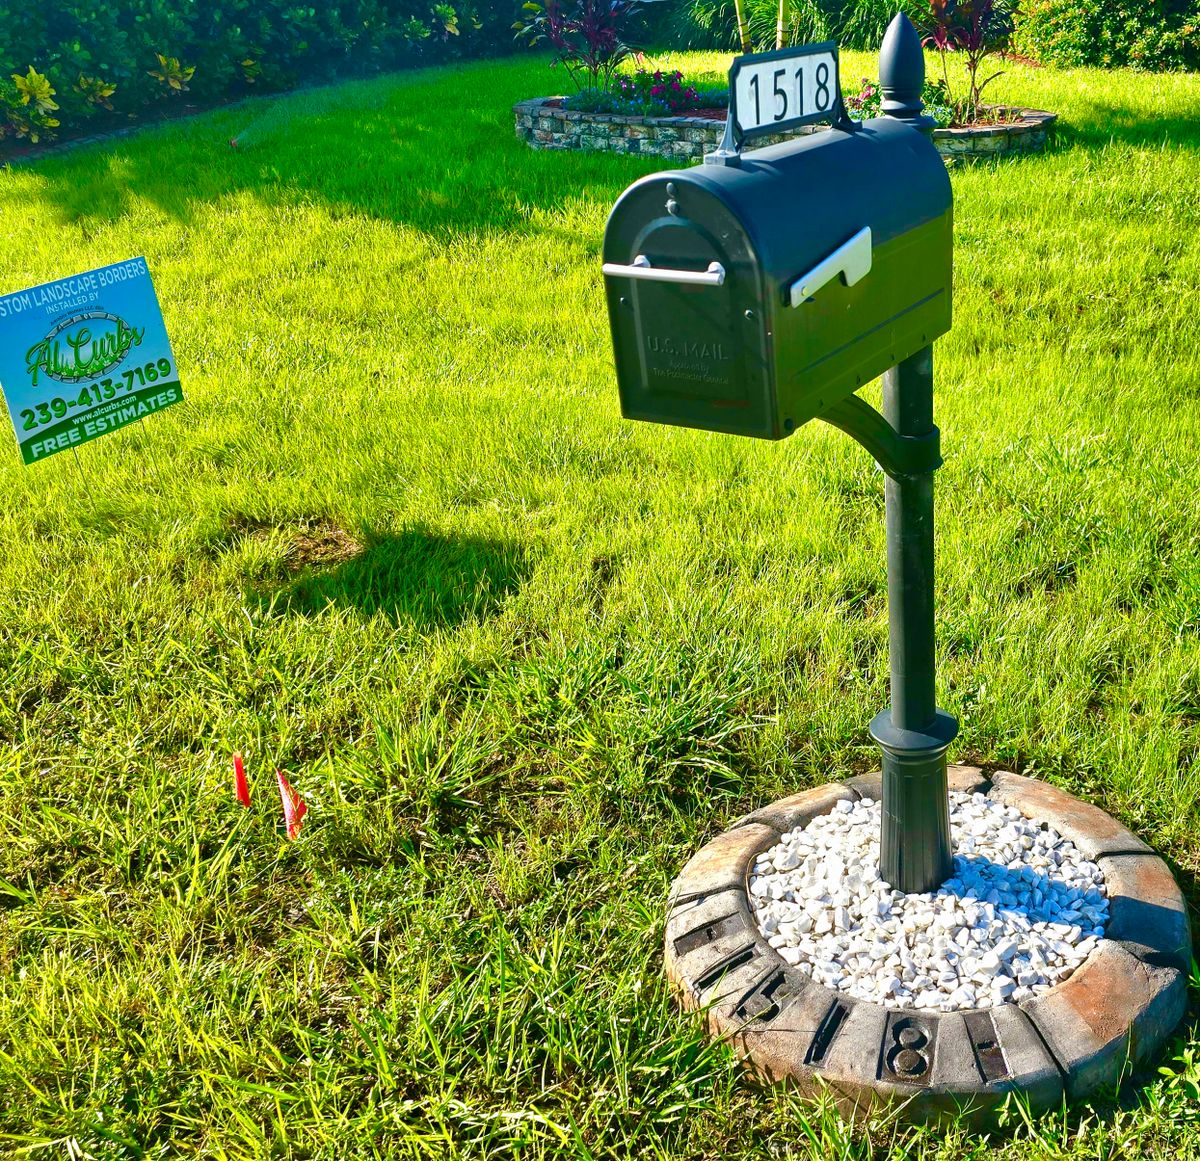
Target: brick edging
1078	1038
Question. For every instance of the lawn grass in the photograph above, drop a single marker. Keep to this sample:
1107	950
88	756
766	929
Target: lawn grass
521	657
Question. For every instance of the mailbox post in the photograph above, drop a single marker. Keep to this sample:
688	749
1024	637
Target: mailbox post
914	849
757	292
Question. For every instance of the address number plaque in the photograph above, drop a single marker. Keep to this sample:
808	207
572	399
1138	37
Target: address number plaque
771	92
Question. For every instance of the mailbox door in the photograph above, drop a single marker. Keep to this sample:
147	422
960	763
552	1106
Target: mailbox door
845	336
687	353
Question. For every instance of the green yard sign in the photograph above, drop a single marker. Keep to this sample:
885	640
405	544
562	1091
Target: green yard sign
83	356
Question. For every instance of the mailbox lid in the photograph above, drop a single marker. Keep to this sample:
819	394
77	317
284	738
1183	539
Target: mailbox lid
801	198
800	201
686	354
845	336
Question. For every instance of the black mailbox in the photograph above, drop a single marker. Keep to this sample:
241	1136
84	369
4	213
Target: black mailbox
749	298
760	291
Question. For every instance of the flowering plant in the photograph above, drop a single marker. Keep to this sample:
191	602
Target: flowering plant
657	91
868	100
645	93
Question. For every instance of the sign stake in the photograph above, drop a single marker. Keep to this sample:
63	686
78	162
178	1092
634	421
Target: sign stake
87	486
79	467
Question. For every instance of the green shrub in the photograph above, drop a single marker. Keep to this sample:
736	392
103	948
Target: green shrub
1149	34
108	61
852	23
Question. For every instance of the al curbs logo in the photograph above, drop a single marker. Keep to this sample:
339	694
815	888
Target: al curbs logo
82	347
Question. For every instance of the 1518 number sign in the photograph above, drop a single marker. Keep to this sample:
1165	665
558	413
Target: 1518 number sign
771	92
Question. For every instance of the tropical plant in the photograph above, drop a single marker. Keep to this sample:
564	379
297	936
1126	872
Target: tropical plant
173	74
447	19
976	28
30	106
863	23
743	25
587	36
96	91
755	24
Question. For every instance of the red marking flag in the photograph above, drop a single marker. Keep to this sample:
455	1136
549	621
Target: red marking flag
294	809
239	781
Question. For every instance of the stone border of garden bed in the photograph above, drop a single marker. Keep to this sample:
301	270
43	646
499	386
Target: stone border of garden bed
1028	133
1077	1039
544	123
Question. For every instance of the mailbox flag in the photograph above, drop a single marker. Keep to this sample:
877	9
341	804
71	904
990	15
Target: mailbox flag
294	809
239	781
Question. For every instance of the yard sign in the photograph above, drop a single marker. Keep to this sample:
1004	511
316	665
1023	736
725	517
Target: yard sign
84	356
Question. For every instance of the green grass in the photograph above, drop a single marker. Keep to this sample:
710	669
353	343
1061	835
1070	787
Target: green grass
521	657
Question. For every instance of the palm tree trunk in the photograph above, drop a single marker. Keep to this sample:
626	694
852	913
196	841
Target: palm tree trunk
779	26
743	27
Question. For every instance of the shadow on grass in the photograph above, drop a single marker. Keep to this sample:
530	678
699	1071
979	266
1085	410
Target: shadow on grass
433	149
420	577
1108	123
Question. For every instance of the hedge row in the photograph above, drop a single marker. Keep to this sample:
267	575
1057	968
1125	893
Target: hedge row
70	66
1148	34
711	24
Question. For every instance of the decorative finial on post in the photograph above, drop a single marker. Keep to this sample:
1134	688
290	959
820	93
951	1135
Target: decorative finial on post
902	72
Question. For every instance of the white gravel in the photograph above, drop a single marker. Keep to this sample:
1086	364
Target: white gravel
1023	910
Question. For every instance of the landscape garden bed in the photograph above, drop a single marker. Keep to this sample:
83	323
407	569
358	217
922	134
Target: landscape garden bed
546	123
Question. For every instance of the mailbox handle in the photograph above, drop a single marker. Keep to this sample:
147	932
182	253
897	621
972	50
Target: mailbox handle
641	268
852	260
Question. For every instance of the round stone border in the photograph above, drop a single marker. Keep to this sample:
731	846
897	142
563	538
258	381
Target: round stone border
1028	132
544	124
1079	1038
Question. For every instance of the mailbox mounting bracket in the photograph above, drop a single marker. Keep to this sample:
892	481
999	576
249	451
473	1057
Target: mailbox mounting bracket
900	456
